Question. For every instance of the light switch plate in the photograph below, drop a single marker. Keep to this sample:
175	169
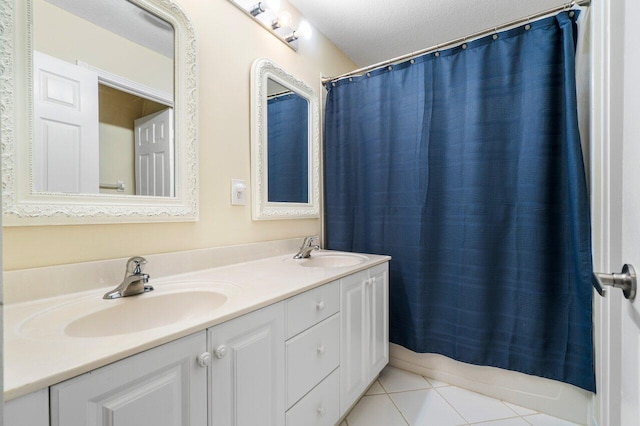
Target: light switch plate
238	192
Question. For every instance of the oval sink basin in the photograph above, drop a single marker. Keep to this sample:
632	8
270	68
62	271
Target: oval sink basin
89	316
331	260
133	316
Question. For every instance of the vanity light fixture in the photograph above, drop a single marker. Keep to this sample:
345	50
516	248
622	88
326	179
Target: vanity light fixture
304	31
262	7
282	21
271	16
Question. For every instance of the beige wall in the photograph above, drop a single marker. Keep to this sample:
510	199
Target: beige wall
56	33
228	43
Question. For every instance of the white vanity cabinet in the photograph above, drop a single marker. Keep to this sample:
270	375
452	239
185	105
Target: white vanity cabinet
303	361
246	375
164	386
364	343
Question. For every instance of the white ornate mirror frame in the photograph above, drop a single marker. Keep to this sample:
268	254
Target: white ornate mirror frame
21	206
262	209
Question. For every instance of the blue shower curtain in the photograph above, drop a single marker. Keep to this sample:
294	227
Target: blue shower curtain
466	167
287	155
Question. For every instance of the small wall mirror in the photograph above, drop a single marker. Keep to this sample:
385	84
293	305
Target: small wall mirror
104	123
284	144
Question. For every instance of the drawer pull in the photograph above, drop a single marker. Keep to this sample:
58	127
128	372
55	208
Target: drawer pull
320	306
204	359
220	352
321	350
321	411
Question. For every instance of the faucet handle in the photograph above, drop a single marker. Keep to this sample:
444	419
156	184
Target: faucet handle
135	265
309	241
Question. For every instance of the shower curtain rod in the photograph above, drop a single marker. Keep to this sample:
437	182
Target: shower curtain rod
359	71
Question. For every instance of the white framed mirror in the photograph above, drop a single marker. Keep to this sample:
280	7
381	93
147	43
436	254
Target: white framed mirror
285	145
99	112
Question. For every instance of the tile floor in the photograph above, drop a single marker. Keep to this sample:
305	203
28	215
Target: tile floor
400	398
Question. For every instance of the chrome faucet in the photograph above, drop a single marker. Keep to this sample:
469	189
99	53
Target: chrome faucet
134	280
307	247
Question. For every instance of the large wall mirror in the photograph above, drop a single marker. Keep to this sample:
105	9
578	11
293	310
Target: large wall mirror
102	112
284	144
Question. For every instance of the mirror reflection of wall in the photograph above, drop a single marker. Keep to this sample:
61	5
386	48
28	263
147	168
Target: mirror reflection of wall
288	145
98	67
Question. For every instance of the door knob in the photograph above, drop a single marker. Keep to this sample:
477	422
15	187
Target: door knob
220	351
204	359
625	280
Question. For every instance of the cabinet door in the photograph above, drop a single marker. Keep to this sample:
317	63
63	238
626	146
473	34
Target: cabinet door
377	296
28	410
164	386
247	371
353	339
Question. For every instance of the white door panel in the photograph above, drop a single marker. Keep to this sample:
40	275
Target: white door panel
630	350
246	376
164	386
353	356
60	148
378	303
154	154
65	149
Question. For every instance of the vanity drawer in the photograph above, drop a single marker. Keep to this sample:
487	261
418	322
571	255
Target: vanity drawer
311	356
320	407
311	307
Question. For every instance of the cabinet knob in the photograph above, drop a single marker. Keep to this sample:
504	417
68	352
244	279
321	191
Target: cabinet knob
373	280
321	411
220	351
204	359
320	306
321	350
368	281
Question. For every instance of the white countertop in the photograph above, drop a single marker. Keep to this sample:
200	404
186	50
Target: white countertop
35	362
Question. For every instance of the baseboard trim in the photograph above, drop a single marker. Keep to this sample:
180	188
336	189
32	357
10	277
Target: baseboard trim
543	395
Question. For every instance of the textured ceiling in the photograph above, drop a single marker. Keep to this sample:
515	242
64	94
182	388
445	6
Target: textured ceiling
371	31
125	19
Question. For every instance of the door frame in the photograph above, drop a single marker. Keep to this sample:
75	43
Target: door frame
607	61
123	84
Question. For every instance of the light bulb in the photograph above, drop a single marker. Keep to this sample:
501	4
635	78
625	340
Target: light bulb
284	20
273	5
304	30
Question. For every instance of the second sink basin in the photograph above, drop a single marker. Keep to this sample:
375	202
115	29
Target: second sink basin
328	259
